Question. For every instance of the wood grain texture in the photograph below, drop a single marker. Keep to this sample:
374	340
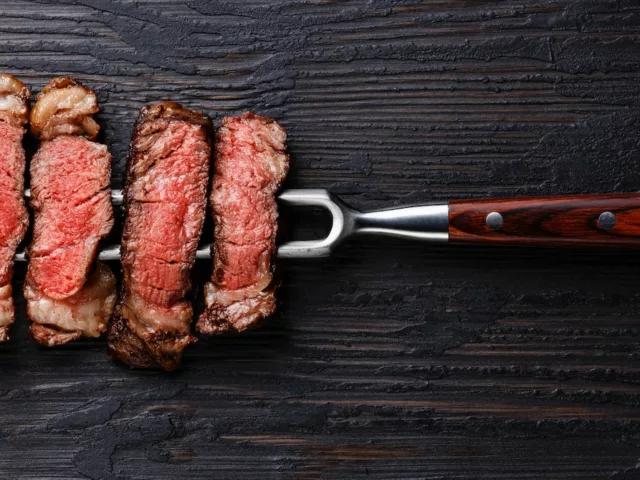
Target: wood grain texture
560	221
391	359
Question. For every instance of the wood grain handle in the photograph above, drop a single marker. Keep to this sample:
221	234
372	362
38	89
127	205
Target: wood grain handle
572	221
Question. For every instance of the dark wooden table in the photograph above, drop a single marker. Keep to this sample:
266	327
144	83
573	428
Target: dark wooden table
391	359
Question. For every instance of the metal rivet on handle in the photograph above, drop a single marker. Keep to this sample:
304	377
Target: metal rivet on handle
607	220
494	221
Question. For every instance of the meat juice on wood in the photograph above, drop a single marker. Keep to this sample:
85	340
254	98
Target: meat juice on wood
14	218
69	295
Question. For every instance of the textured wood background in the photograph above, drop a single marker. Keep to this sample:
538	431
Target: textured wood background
391	359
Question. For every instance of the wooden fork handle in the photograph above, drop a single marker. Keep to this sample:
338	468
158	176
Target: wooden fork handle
607	221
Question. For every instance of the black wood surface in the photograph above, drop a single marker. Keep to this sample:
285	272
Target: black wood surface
391	359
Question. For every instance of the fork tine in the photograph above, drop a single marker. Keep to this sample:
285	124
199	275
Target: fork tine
342	225
117	196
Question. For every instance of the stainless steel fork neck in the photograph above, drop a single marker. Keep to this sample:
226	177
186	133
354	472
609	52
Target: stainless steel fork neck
424	222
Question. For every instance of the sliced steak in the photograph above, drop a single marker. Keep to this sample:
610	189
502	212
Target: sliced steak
165	199
250	165
14	112
69	295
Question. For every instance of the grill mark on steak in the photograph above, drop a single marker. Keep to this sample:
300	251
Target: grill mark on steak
14	219
165	201
250	165
69	295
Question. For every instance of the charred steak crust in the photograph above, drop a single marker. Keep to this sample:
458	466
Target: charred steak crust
250	165
165	191
68	293
14	219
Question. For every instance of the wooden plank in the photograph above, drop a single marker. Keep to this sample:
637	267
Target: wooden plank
390	359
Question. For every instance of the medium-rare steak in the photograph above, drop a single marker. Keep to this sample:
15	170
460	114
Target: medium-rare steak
250	164
14	112
165	199
69	295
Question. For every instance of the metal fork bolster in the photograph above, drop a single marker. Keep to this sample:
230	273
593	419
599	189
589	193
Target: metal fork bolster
425	222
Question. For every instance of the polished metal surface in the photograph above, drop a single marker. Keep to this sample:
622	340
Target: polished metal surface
607	220
426	222
341	224
494	221
117	197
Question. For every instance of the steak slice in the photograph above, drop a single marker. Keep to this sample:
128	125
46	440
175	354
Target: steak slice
14	219
250	165
69	295
165	199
